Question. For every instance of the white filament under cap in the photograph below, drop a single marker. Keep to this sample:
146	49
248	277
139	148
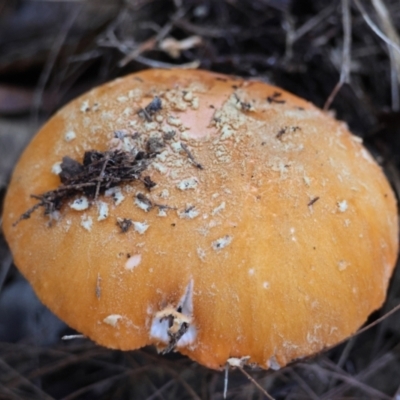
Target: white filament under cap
233	362
226	377
72	337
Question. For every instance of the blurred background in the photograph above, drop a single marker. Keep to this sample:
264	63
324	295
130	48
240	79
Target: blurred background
341	55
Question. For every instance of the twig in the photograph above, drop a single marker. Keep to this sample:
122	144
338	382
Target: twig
148	44
100	178
113	42
153	40
255	383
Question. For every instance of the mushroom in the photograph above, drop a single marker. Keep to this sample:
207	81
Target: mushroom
223	218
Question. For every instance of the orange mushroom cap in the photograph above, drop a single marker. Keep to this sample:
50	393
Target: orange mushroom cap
270	233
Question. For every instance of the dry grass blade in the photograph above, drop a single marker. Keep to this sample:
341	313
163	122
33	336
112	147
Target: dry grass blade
7	394
350	381
386	23
346	54
158	392
255	383
313	22
367	327
343	358
44	76
379	320
10	378
373	26
187	387
106	381
65	360
5	265
357	380
304	385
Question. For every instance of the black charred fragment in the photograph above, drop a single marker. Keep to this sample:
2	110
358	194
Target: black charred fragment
154	145
145	200
243	105
287	129
188	209
169	135
122	134
312	201
143	113
149	204
70	169
124	224
275	98
164	207
148	183
140	155
98	172
281	133
190	156
92	157
154	106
